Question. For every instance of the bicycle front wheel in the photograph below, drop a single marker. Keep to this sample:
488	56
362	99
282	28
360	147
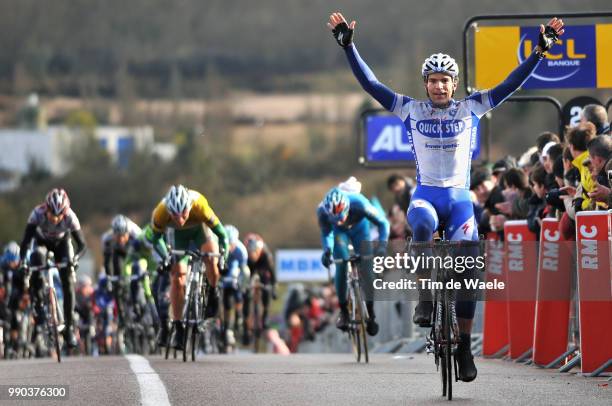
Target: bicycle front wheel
169	340
188	324
354	330
361	329
54	323
448	344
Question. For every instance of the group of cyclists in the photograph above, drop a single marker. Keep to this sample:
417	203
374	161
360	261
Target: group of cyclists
140	290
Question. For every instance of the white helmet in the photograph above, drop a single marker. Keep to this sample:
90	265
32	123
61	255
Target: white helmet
440	63
178	200
11	251
232	233
57	202
119	225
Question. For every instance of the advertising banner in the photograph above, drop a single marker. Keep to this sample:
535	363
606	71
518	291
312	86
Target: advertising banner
554	290
594	288
300	266
495	325
521	265
580	59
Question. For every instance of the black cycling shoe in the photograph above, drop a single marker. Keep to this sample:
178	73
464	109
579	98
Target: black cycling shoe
179	335
162	341
422	314
372	327
71	340
467	369
343	320
212	306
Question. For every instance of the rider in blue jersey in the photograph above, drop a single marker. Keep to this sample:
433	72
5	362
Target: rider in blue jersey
234	280
344	218
442	131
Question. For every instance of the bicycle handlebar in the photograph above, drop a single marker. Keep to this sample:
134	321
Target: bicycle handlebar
445	243
353	258
263	286
38	268
195	253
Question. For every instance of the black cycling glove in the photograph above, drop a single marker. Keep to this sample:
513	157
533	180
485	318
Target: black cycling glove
547	38
343	34
326	258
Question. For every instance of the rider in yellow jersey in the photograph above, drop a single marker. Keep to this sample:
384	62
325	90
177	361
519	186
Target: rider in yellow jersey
187	212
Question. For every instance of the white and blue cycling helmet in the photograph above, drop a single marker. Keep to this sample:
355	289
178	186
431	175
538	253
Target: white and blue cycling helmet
232	233
440	63
336	204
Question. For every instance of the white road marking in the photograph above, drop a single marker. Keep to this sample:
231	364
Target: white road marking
152	389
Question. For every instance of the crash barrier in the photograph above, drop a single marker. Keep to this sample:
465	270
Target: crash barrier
520	260
538	330
593	237
552	313
495	324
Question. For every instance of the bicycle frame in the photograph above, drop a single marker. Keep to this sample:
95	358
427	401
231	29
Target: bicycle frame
357	306
53	312
257	287
352	278
444	336
194	296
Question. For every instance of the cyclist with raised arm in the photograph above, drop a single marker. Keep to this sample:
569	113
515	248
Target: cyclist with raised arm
233	280
345	218
51	226
187	212
441	131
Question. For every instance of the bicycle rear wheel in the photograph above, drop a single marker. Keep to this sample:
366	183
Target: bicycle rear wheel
53	323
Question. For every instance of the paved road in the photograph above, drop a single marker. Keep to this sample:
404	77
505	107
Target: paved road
298	380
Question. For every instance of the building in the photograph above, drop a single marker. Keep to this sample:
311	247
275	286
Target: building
46	148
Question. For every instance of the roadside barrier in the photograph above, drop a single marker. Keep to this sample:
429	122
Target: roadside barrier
521	263
550	340
495	341
593	235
